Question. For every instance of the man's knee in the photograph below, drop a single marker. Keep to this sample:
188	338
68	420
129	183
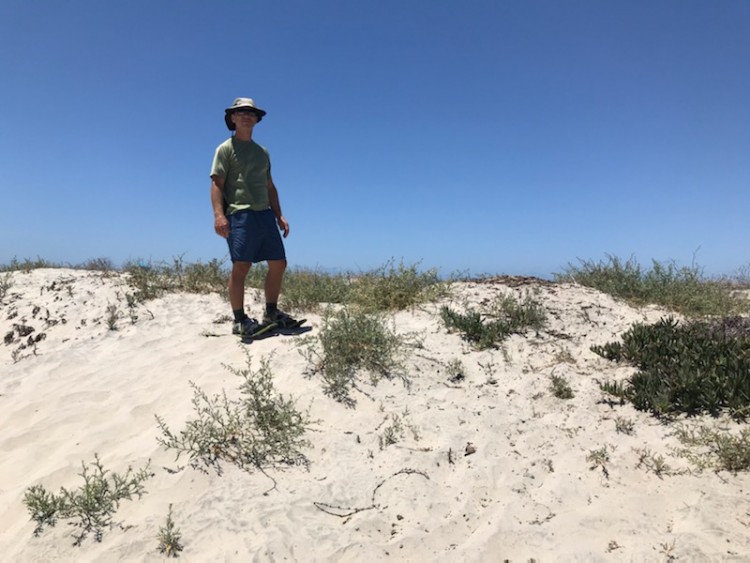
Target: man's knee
240	269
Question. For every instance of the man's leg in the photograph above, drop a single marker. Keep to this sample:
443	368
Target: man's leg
237	284
273	280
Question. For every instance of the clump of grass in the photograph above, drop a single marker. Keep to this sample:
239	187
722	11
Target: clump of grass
92	505
560	387
113	315
305	290
261	429
27	265
599	458
170	537
6	282
695	367
719	450
98	265
351	341
395	287
624	426
683	289
152	280
507	316
657	464
392	434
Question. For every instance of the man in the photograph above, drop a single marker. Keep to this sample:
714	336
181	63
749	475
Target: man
248	214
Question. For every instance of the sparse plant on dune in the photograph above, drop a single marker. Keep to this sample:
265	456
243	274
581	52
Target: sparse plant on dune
6	282
170	537
92	505
560	387
261	429
720	450
507	316
350	342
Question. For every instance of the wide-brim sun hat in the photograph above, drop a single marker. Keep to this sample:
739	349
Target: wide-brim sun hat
241	103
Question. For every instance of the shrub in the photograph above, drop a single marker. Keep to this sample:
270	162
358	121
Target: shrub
262	429
700	366
92	505
511	316
351	341
150	281
722	450
169	537
395	287
560	387
682	289
6	282
307	289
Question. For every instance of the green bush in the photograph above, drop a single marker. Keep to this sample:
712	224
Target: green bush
351	341
152	280
507	316
395	287
682	289
305	290
91	505
262	429
700	366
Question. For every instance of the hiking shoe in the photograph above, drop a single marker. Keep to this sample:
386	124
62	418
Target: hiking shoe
245	327
281	319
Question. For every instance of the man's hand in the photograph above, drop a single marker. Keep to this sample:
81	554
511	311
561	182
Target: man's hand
283	225
221	226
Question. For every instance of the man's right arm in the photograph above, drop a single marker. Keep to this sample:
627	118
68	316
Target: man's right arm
221	225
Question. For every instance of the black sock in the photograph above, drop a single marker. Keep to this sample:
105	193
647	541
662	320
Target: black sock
239	315
270	308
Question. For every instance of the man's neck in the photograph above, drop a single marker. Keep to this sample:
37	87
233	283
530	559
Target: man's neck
244	135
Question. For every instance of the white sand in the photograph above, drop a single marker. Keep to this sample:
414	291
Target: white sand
527	492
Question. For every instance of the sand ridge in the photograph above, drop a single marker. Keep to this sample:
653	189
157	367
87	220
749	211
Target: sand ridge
526	491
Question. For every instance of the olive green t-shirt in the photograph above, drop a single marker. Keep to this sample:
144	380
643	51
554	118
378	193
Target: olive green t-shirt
246	169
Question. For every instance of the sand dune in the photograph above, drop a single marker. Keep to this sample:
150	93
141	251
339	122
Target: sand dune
526	491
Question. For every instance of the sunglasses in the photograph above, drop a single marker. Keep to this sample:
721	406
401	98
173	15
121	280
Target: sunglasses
246	111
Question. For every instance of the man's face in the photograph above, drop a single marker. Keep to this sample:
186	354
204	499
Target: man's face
244	118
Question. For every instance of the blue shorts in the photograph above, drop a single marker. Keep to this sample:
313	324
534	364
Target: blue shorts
254	236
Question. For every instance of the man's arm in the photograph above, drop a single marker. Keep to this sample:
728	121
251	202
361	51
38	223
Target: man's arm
221	225
273	199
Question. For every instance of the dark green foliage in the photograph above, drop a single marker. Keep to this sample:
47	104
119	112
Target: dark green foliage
483	333
685	368
509	316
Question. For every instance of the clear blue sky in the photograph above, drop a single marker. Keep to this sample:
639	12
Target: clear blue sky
505	136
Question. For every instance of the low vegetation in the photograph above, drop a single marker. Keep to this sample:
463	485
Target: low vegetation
92	506
682	289
259	430
350	342
170	537
691	367
507	315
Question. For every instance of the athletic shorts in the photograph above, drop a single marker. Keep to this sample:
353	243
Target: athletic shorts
254	236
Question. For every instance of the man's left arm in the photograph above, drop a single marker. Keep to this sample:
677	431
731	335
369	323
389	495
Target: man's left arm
273	199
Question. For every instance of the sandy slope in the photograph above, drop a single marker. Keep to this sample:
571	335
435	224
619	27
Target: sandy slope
528	490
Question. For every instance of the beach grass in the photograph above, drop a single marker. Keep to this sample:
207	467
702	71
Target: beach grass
683	289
